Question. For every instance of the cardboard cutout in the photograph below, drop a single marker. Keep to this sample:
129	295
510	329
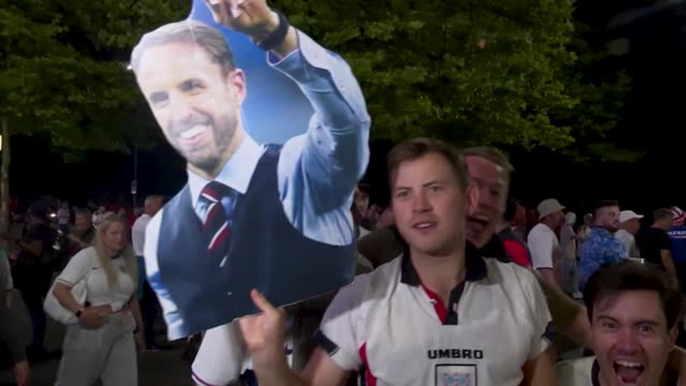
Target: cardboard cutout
270	182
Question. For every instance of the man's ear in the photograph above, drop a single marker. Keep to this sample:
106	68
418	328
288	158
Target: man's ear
235	80
471	199
673	334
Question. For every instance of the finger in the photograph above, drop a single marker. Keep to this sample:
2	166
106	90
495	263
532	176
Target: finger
261	302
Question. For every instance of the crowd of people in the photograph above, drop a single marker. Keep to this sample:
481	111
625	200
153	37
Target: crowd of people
453	287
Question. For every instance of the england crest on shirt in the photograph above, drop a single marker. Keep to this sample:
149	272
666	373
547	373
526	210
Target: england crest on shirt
456	375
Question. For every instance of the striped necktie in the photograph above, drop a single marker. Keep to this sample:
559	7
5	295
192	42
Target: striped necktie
217	224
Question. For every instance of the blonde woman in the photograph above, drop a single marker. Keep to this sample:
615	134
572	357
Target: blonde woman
103	343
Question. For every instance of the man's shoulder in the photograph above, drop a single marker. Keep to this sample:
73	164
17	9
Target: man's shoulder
371	287
575	372
509	274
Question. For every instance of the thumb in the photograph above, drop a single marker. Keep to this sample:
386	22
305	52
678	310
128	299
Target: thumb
261	302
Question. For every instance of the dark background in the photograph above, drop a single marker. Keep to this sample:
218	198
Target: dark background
652	122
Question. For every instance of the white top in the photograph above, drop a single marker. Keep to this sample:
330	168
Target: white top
223	357
629	243
138	234
568	241
388	311
576	372
544	247
85	263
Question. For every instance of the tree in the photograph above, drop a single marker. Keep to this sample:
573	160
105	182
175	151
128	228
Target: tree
63	72
469	71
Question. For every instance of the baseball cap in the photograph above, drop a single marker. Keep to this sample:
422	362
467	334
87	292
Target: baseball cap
548	207
679	215
627	215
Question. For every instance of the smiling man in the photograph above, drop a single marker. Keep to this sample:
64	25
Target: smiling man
633	313
252	215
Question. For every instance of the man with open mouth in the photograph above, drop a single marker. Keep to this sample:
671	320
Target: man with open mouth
633	313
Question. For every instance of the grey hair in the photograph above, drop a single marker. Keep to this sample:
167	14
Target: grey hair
187	31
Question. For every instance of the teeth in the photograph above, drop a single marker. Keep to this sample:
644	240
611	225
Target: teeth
423	225
628	364
193	131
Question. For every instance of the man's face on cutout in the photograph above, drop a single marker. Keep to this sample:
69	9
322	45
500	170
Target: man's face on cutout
195	102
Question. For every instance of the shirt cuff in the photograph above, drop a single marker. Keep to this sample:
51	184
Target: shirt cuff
308	55
344	359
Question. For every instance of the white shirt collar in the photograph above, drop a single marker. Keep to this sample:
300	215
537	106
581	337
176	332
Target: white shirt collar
236	173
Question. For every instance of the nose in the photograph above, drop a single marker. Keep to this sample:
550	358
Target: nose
420	203
627	342
180	107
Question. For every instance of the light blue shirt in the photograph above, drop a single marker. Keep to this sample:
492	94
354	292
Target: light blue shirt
317	171
600	248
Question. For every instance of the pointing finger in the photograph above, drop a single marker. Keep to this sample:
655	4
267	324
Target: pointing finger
261	302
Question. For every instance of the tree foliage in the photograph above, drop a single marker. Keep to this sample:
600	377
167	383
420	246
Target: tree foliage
63	69
473	71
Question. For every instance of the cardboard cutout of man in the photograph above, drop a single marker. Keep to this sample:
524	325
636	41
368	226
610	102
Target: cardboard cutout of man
274	218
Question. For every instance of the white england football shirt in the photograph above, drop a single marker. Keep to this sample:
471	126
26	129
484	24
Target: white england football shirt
398	331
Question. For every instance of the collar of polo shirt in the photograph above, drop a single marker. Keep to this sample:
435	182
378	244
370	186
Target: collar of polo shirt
475	267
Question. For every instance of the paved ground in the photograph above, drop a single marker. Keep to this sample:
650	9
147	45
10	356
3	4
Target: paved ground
161	368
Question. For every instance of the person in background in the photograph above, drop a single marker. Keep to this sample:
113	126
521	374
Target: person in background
83	234
13	342
146	296
633	313
584	230
655	245
543	243
32	273
63	217
102	345
677	234
629	225
98	215
601	247
6	282
568	242
514	244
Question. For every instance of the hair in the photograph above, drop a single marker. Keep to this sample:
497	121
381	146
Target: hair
83	212
662	214
188	31
510	210
603	204
106	260
491	154
412	149
609	281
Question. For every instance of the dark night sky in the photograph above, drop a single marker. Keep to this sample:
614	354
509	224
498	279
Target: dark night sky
652	122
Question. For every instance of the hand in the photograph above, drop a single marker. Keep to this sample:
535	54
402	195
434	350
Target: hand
264	334
74	238
22	373
140	342
94	317
251	17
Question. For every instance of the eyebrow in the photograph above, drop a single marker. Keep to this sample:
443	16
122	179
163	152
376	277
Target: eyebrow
636	323
424	185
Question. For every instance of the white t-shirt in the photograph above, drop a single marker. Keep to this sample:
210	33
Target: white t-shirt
544	247
387	322
629	242
138	234
98	293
